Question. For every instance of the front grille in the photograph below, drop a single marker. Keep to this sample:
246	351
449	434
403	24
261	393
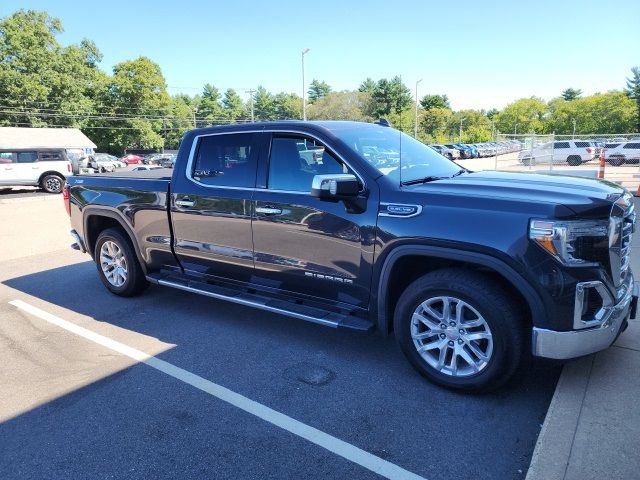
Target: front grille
625	245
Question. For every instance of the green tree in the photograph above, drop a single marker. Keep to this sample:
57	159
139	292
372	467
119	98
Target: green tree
492	112
41	82
571	94
605	113
317	90
434	101
136	95
367	86
434	124
389	96
287	106
523	116
234	108
345	105
180	120
263	104
472	124
633	90
209	107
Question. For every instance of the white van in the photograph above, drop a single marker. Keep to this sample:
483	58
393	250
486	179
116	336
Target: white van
44	168
572	152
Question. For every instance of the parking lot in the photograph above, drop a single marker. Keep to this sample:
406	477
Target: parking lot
229	392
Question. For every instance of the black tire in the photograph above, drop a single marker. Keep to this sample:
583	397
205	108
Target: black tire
135	282
498	310
616	160
574	160
52	183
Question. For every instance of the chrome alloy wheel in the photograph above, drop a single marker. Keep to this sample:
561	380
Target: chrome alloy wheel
451	336
113	263
53	184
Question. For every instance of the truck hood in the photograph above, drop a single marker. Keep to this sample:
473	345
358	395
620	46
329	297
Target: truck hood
585	197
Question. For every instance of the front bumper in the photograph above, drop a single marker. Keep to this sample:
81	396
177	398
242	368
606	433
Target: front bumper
576	343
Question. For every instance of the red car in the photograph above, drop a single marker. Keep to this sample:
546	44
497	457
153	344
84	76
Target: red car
131	159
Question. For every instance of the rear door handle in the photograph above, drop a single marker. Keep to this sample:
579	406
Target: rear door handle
185	203
268	210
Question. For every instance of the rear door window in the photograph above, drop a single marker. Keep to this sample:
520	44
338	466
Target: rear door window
27	157
227	160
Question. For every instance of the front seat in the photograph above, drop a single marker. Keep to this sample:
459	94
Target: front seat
285	169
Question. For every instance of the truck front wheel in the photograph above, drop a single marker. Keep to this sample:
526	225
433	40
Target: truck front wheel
118	265
459	329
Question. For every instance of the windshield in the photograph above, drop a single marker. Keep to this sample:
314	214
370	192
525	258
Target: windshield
386	149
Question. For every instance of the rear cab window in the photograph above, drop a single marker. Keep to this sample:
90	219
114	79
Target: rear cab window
225	160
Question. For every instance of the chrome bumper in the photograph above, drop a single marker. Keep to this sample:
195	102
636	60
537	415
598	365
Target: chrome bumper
576	343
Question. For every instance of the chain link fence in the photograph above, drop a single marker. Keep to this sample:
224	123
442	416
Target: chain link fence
577	155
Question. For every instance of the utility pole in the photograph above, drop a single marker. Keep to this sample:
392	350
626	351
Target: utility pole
415	124
574	127
194	111
304	90
460	132
251	91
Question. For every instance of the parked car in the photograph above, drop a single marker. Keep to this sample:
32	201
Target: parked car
168	161
103	162
45	168
539	265
450	153
131	159
572	152
463	151
620	153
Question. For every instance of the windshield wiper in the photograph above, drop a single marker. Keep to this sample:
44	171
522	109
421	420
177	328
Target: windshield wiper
423	180
432	178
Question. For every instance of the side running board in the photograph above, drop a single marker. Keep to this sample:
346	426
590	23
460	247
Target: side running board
283	307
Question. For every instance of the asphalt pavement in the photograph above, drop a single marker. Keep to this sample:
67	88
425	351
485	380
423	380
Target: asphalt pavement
72	408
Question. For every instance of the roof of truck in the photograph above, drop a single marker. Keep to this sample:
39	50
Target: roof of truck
26	137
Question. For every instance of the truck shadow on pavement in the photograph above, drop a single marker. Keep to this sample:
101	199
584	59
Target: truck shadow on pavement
355	386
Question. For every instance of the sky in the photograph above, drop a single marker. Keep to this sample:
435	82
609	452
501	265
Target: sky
480	54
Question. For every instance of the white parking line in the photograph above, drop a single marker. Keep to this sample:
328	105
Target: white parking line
329	442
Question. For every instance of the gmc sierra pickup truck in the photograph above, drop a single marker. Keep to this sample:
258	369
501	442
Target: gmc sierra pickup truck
471	271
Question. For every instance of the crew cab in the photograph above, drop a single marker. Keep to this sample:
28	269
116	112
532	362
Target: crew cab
471	271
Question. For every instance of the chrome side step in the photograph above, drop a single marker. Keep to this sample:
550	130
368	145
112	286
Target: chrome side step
290	309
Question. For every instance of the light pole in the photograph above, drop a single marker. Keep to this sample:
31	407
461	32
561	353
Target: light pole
460	131
515	129
194	111
574	127
415	124
304	92
251	92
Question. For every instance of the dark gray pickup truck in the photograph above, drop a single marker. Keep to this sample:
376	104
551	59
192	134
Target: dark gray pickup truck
359	226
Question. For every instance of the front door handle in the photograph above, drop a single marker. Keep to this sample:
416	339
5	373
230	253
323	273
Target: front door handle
268	210
185	203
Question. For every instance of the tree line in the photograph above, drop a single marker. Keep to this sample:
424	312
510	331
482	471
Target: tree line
43	83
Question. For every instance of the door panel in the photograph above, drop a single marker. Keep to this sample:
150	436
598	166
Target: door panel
312	247
304	245
211	208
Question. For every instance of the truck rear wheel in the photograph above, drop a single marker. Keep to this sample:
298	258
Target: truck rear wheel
459	329
117	264
574	160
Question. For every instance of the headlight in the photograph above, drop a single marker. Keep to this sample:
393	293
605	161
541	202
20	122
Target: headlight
579	243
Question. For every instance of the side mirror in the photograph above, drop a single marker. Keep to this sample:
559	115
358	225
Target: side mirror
335	187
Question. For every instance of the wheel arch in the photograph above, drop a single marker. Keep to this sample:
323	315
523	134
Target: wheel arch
95	220
51	172
435	258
